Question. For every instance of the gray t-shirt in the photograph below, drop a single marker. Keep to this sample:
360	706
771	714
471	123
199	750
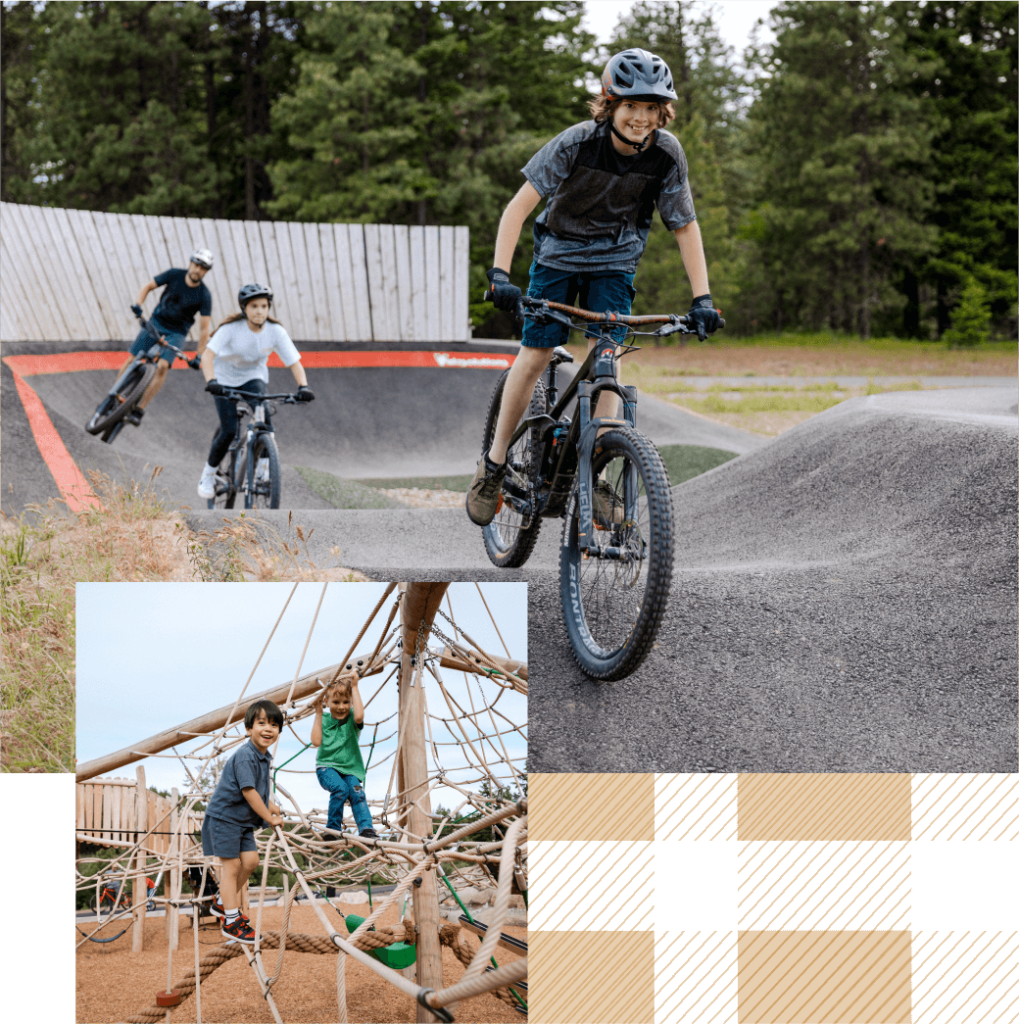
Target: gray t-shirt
600	202
243	354
246	768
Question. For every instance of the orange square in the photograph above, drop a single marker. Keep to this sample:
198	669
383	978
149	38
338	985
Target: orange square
837	977
824	807
591	977
596	805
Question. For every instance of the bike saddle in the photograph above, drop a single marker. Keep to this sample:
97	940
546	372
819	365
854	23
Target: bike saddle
560	355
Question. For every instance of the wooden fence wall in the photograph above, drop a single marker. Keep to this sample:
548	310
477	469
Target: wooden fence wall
109	811
72	275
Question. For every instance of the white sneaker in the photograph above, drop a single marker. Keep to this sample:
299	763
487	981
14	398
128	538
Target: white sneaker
207	485
262	471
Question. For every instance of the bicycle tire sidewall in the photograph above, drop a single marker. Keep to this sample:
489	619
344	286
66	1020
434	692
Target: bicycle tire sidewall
133	388
520	550
264	444
630	655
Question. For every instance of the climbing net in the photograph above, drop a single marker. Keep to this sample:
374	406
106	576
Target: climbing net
474	746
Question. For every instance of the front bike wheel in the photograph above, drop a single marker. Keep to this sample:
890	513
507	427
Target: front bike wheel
114	407
264	492
509	539
613	605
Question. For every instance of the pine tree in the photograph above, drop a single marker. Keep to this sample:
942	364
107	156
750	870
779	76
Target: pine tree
841	146
971	318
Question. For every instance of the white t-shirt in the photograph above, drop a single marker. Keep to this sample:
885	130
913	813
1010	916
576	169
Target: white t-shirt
242	354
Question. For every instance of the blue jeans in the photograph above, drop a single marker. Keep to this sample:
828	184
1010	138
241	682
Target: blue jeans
341	789
610	291
144	342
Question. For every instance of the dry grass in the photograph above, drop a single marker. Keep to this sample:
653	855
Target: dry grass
132	536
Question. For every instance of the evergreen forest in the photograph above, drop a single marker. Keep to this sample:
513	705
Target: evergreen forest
856	175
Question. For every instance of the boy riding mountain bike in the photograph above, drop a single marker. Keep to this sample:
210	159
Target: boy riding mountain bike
184	296
603	179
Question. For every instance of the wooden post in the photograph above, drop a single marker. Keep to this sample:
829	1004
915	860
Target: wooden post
141	818
418	607
171	880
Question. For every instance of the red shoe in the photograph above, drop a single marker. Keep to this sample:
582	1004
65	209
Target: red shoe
216	908
240	930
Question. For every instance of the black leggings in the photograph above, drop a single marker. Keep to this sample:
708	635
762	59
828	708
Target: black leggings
228	420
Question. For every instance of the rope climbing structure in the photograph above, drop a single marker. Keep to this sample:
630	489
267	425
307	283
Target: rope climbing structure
470	749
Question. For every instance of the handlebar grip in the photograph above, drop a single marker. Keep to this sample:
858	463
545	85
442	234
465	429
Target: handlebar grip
721	323
518	313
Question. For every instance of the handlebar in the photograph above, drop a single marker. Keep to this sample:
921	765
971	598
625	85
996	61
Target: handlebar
232	393
178	353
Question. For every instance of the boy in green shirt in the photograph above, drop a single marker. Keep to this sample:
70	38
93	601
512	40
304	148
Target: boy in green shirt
340	768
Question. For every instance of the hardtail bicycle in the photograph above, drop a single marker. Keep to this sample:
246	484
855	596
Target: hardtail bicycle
120	401
108	893
605	479
251	466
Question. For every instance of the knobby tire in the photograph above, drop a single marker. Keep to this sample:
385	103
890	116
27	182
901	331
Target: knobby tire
507	543
264	494
614	608
113	408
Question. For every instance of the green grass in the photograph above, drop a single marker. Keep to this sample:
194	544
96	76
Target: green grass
429	483
827	340
344	493
685	461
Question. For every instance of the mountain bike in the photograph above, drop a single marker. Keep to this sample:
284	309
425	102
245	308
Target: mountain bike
251	466
605	479
121	400
108	893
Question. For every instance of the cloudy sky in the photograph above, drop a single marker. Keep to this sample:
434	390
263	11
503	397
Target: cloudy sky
151	656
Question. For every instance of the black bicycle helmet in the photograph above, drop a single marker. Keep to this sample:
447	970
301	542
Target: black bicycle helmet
253	291
637	75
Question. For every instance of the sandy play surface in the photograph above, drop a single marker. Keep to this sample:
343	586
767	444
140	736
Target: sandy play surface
117	983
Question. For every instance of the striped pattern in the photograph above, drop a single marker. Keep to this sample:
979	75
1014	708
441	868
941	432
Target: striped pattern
591	806
791	886
972	977
696	976
71	275
959	807
695	806
580	886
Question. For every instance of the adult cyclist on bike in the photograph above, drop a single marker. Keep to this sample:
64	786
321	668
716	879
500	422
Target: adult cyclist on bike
183	297
237	357
603	179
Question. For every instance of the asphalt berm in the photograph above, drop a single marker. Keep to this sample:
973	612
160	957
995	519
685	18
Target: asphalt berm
843	599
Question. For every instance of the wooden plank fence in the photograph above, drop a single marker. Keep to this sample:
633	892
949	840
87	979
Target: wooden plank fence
72	275
114	812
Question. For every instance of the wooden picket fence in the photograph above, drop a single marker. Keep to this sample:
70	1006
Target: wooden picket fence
114	812
72	275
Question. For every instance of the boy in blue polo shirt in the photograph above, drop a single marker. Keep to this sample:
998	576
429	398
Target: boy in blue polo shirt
239	805
603	179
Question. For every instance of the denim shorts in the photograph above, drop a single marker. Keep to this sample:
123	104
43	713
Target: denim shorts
144	342
609	291
226	839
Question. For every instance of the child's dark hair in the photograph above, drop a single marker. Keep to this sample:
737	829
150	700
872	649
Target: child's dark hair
272	712
603	107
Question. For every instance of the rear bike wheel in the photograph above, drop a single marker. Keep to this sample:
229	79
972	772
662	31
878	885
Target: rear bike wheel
264	493
227	485
613	606
114	407
509	540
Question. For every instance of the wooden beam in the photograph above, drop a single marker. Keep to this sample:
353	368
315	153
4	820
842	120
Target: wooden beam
214	720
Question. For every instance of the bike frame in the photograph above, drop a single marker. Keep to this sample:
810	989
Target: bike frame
256	425
596	374
149	356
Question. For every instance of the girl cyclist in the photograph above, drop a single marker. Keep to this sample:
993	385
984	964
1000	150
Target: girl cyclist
237	357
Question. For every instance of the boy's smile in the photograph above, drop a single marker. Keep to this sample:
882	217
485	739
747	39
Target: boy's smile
634	119
263	733
339	705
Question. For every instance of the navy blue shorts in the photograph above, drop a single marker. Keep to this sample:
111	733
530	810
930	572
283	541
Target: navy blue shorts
144	342
608	292
227	839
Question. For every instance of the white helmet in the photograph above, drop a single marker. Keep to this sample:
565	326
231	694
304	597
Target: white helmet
203	257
